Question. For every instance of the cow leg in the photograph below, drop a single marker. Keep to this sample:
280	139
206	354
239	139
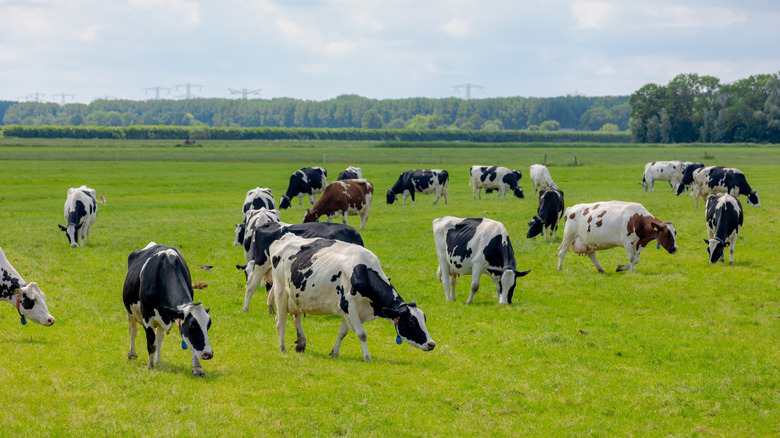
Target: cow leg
343	218
158	343
300	342
343	330
731	249
566	242
453	280
363	219
475	274
270	298
252	282
438	195
633	259
197	370
592	256
361	333
151	345
444	192
444	274
133	333
281	317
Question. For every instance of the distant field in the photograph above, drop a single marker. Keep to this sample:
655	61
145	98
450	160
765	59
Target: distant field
679	348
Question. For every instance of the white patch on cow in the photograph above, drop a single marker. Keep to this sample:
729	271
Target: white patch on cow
662	171
540	177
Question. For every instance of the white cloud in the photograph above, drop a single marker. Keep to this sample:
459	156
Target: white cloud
456	27
90	33
188	12
606	15
593	15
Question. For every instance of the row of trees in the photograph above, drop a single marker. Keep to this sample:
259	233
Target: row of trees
346	111
693	108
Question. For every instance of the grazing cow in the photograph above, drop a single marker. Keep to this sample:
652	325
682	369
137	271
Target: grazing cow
604	225
342	198
350	172
259	266
688	168
495	177
662	171
540	177
307	181
329	277
724	220
716	179
475	246
28	298
420	181
548	214
258	198
80	214
244	230
158	294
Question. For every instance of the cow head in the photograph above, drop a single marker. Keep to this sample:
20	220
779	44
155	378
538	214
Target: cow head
240	228
310	216
409	323
536	227
666	236
391	197
195	324
519	192
716	247
680	189
507	284
71	235
284	202
31	303
752	198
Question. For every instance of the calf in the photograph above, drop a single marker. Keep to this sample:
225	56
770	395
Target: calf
329	277
495	177
716	179
350	172
158	294
28	298
307	181
540	177
80	214
342	198
548	214
258	198
662	171
475	246
724	220
420	181
258	268
604	225
688	168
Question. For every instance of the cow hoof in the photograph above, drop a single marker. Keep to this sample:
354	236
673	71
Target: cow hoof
367	359
198	372
334	353
300	348
621	268
131	356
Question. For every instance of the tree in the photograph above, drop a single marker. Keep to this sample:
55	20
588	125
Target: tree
372	119
550	125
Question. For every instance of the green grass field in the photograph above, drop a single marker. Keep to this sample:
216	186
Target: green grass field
679	348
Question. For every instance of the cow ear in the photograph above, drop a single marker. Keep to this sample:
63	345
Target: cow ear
706	241
62	228
79	225
522	274
173	313
390	313
208	309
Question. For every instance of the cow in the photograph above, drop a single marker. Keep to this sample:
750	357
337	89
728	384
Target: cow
80	214
28	298
662	171
258	198
604	225
724	220
716	179
158	294
424	181
688	167
244	230
258	268
307	181
548	214
330	277
495	177
342	198
350	172
475	246
540	177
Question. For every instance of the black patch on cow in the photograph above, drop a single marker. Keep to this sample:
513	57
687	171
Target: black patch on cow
275	260
190	329
343	303
347	174
370	284
335	277
443	177
75	215
498	254
300	269
458	238
409	327
488	173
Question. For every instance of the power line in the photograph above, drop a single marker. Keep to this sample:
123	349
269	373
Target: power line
63	96
468	88
157	91
33	97
244	92
188	85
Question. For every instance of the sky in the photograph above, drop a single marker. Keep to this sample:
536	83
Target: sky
82	50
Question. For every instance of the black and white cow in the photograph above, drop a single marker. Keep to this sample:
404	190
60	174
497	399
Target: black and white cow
307	181
548	214
495	177
724	220
80	214
662	171
716	179
329	277
688	167
259	267
475	246
158	294
424	181
258	198
245	230
28	298
350	172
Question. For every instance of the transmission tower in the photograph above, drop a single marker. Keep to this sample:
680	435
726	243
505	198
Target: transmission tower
244	92
188	86
33	97
63	96
157	91
468	88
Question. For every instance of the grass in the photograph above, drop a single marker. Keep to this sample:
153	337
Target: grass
679	348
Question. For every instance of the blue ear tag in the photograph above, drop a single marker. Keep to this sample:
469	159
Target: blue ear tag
398	340
542	233
658	246
748	200
24	320
183	345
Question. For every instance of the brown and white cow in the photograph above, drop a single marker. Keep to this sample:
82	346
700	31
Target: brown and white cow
342	198
604	225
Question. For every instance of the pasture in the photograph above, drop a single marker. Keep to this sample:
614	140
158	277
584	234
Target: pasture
679	348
